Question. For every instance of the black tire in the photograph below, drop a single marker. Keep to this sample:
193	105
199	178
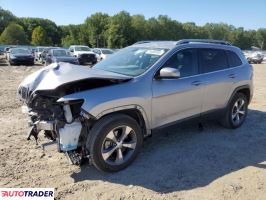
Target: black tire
228	121
98	137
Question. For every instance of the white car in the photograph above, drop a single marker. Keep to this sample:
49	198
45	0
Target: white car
37	53
83	53
103	53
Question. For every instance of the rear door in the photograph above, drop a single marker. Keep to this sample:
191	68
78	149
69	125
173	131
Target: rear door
217	76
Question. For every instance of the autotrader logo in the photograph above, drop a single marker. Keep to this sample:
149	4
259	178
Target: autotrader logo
27	193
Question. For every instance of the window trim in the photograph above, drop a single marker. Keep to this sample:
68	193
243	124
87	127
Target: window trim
175	52
230	51
200	64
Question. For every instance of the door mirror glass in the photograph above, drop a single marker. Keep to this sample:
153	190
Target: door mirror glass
169	73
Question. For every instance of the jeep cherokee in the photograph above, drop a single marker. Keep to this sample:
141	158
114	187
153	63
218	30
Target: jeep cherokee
104	112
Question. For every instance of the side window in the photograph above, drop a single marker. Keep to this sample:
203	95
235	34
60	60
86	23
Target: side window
212	60
49	52
233	59
184	60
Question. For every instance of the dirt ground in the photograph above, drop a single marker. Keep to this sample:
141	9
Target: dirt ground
176	163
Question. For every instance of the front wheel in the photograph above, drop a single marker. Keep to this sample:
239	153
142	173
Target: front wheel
114	142
236	111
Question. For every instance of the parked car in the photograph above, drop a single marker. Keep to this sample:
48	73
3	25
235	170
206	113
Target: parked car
83	53
104	112
60	55
103	53
38	52
20	56
44	53
255	58
6	52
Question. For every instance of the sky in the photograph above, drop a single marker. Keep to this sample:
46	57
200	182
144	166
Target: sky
240	13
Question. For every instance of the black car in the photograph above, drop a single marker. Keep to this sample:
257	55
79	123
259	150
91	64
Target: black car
20	56
60	55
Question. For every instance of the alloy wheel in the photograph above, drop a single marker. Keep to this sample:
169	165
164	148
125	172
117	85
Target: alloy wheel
119	145
238	111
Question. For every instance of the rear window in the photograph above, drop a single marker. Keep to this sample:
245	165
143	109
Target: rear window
233	59
212	60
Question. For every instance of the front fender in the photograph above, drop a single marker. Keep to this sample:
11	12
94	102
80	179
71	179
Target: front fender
102	101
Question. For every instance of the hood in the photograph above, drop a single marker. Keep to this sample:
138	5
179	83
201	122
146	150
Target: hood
22	55
84	52
58	74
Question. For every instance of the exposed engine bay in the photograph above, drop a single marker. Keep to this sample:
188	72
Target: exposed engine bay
64	122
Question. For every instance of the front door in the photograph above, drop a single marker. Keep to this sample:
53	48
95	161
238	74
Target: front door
176	99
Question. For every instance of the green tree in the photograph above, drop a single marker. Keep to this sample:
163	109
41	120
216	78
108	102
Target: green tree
138	23
6	18
95	28
39	37
52	30
261	38
14	34
120	30
72	34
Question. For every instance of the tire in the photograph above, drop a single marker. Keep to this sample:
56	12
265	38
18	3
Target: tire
230	119
108	130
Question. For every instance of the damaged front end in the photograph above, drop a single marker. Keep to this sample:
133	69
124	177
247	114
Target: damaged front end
61	123
64	123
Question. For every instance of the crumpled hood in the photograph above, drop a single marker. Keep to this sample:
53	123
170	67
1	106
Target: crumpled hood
57	74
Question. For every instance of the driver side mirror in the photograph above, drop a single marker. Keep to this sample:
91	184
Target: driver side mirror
169	73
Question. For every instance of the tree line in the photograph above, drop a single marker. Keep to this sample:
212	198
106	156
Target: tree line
120	30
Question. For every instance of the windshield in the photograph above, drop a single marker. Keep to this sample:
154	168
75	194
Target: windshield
107	51
82	49
59	52
131	61
22	51
40	49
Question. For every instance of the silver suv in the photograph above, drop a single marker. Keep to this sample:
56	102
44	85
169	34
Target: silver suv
103	113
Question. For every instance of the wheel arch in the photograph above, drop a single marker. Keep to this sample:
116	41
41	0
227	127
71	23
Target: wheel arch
245	89
134	111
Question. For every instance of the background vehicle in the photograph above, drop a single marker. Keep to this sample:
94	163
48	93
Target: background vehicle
37	53
255	58
6	52
103	53
44	53
60	55
20	56
83	53
106	111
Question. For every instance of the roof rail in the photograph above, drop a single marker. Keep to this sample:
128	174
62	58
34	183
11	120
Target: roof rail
185	41
144	41
148	41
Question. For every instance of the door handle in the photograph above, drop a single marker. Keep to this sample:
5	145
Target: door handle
232	76
196	83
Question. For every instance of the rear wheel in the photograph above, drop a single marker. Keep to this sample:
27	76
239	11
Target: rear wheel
115	142
236	111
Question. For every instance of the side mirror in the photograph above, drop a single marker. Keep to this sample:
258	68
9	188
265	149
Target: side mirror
169	73
72	50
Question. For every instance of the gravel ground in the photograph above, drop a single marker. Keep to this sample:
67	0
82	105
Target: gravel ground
176	163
